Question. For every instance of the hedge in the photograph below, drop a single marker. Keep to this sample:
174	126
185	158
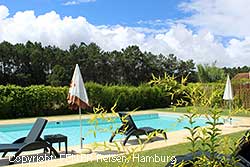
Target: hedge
16	101
39	100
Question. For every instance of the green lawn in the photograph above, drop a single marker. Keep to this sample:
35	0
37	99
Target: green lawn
165	151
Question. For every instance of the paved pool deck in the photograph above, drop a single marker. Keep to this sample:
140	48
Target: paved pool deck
76	155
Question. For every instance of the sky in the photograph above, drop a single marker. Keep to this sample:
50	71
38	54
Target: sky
206	31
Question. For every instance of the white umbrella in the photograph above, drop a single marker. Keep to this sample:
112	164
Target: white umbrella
228	94
77	97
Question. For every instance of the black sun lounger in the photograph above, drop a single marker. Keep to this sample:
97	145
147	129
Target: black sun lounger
242	155
129	128
33	141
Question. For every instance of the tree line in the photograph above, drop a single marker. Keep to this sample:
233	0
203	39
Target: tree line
34	64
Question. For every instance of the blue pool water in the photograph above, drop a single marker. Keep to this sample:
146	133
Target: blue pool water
104	128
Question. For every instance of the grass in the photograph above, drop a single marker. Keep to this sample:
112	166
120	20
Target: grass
202	111
160	152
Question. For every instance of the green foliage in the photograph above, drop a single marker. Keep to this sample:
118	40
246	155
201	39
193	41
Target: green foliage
31	64
207	73
127	97
16	101
100	114
207	138
205	94
171	87
241	90
232	71
57	76
192	94
193	129
213	133
213	93
172	150
31	101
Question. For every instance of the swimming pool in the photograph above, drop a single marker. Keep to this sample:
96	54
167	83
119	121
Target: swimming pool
70	128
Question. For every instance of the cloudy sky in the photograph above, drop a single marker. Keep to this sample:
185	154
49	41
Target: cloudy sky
202	30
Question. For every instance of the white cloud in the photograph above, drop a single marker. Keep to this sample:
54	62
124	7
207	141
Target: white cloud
239	51
51	29
221	17
68	3
157	22
77	2
4	12
146	30
201	47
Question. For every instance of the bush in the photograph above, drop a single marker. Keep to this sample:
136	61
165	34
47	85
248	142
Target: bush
182	93
32	101
127	97
16	101
213	92
241	93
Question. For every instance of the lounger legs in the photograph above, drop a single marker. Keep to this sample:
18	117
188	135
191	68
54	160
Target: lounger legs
164	135
4	154
112	137
162	132
12	160
54	151
137	136
38	144
126	139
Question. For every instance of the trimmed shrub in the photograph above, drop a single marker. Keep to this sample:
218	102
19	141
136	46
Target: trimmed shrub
16	101
127	97
39	100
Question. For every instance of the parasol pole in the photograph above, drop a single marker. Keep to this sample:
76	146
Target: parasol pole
228	96
230	110
80	118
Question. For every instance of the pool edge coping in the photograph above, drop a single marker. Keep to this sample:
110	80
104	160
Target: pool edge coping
88	116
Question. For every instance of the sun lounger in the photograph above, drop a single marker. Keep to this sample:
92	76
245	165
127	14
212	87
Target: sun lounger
33	141
129	128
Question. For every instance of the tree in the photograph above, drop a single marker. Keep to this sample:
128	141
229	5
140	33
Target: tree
233	71
56	78
210	73
31	63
